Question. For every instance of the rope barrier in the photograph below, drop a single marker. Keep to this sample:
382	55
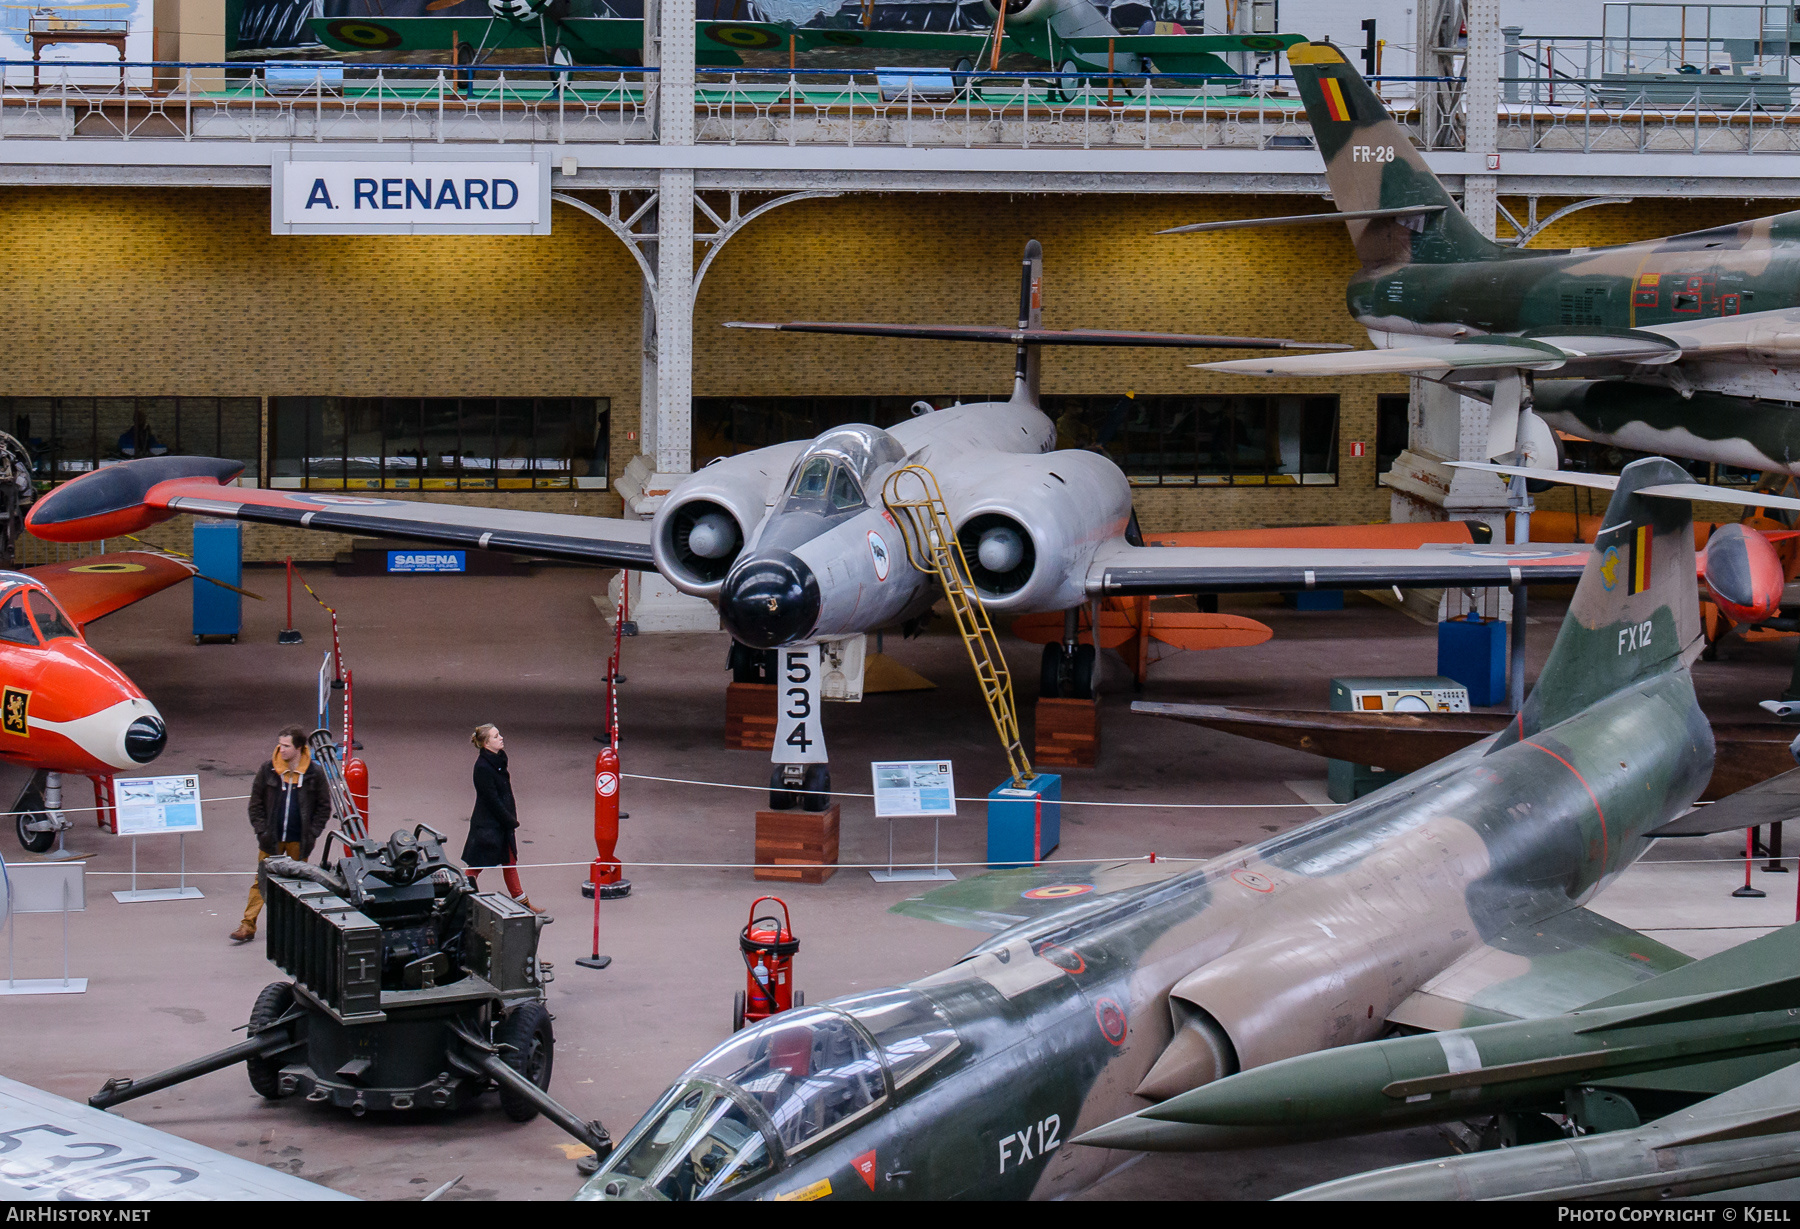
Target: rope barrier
114	807
1067	802
739	866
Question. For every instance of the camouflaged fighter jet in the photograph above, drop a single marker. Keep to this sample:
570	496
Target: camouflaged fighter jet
1687	346
1107	988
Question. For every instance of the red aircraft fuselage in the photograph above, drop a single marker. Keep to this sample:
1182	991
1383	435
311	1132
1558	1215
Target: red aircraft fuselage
64	707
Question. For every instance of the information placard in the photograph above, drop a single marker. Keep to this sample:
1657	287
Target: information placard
149	805
906	788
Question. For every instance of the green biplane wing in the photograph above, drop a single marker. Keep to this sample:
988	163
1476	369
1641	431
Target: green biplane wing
968	43
589	40
1181	53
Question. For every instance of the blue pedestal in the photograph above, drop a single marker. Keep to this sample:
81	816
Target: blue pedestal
1024	825
218	553
1473	652
1315	599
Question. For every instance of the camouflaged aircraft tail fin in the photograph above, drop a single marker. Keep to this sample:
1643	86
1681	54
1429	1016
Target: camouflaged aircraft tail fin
1636	610
1371	164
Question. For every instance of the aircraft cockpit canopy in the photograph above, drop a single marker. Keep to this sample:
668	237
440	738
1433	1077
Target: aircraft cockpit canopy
16	625
774	1091
834	474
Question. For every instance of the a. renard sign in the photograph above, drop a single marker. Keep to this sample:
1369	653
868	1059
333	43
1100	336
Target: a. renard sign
386	196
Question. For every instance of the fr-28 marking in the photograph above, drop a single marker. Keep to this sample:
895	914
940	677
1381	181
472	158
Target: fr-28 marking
1634	638
1371	153
1033	1142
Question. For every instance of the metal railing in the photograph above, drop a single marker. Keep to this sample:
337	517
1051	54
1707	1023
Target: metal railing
400	102
557	104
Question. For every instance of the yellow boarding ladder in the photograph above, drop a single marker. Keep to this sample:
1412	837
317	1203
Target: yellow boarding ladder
932	547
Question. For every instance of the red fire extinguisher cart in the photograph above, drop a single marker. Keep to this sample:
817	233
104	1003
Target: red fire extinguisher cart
768	946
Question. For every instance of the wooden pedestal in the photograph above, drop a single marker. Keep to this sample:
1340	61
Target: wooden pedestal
797	846
749	716
1068	733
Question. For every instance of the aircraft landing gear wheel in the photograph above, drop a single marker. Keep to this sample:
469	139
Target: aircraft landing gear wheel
1051	675
817	795
782	794
1069	85
1081	681
528	1046
275	1001
737	1012
959	76
34	842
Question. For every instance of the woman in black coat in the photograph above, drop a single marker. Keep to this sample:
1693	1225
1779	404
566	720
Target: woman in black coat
495	819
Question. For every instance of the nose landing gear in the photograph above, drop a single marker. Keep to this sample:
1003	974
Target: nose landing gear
807	786
1067	675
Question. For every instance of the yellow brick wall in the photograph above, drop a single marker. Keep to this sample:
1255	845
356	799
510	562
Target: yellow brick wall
184	292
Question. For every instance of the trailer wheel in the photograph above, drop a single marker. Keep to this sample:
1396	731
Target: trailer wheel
737	1012
528	1046
275	1001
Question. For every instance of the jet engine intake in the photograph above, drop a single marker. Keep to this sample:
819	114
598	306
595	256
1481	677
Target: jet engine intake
703	540
1030	533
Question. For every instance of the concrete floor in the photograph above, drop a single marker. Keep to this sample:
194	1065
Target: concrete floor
433	656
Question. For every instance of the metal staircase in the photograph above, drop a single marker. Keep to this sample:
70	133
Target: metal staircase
913	498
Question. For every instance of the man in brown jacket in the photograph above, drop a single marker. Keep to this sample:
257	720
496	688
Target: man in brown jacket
289	808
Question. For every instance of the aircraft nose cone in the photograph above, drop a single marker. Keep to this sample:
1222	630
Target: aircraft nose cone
145	738
770	601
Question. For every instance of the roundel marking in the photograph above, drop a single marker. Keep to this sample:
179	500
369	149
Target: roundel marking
1056	891
365	34
606	784
1256	43
841	38
352	500
745	37
1066	959
1111	1018
1253	881
878	550
109	568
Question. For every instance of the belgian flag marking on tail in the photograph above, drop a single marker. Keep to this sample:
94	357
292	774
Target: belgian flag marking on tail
1334	100
1640	560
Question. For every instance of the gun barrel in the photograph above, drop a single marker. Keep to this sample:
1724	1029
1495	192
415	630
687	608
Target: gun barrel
121	1088
495	1068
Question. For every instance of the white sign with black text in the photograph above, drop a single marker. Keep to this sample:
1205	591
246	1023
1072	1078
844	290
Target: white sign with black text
799	736
357	196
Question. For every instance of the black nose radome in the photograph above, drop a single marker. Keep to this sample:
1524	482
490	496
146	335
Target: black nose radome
770	601
144	739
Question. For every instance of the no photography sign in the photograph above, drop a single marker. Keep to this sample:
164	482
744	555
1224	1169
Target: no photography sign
353	196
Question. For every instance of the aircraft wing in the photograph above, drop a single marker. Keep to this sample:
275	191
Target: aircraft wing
132	495
1538	969
967	42
421	33
1773	801
93	587
1000	900
1120	569
1038	337
1547	352
59	1149
1161	46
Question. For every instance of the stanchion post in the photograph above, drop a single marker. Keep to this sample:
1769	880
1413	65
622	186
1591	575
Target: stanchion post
1749	857
288	635
595	960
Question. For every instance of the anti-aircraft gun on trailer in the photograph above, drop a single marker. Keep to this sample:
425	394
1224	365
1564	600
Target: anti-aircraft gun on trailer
411	991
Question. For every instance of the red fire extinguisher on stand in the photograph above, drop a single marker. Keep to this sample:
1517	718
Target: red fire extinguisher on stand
768	946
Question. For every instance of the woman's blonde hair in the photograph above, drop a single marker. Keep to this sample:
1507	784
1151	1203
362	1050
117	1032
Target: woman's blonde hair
480	736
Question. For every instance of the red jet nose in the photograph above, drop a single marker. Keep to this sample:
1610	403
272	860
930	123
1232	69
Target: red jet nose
1744	574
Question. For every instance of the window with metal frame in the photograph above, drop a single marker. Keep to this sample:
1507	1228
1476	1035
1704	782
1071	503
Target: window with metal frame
1204	440
72	436
439	443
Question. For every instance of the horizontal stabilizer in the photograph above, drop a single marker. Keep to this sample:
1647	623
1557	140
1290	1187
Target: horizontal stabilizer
1768	802
1307	219
1000	900
1662	490
1038	337
1119	569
